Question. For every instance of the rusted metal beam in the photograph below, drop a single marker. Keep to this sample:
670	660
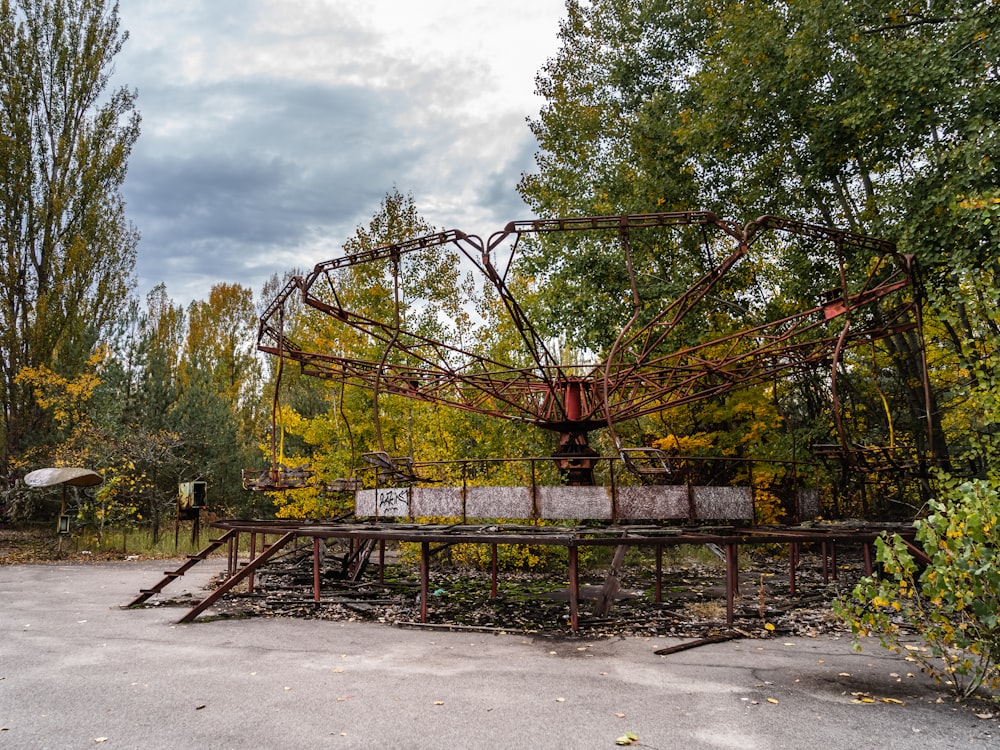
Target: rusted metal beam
228	585
732	580
646	371
719	638
316	568
192	560
574	587
425	565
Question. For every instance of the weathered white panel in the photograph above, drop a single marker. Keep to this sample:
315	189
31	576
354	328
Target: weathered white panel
575	502
436	501
653	502
364	503
723	503
385	502
558	502
498	502
808	502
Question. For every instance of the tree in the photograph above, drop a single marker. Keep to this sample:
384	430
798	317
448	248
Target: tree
330	424
218	400
68	250
870	116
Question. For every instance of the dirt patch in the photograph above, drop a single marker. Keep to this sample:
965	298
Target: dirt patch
40	546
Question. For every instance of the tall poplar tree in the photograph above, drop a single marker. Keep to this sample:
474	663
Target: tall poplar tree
68	252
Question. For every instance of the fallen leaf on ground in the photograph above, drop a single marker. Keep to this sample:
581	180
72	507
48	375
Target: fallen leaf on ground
773	700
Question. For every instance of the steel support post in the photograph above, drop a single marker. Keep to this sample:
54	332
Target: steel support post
659	573
732	579
253	554
493	571
316	586
826	566
574	587
793	561
381	561
425	572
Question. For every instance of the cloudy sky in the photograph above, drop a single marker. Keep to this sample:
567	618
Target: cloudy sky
273	128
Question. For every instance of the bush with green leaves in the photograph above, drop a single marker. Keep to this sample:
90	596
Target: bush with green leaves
952	603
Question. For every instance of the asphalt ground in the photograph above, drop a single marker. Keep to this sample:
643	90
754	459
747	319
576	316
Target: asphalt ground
77	671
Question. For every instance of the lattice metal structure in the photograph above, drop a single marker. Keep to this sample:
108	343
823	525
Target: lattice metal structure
697	318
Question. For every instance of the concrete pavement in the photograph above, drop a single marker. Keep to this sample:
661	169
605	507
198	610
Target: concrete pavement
78	672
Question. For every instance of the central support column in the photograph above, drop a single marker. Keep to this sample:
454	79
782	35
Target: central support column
574	457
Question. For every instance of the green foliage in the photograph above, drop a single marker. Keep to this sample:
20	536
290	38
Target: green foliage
329	425
873	116
132	461
953	604
69	252
217	409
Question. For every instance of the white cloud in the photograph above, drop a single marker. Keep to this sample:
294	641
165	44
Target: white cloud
272	128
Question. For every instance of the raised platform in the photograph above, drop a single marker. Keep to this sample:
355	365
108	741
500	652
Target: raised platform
269	537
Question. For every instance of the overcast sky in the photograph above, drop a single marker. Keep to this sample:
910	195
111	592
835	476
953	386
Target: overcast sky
272	128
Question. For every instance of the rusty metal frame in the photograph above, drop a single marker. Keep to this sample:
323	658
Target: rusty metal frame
641	374
573	538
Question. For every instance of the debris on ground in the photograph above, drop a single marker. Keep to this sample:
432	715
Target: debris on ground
692	599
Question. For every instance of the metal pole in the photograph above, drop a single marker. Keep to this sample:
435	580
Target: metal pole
826	566
732	580
659	573
316	585
574	588
793	554
425	565
381	561
493	561
253	554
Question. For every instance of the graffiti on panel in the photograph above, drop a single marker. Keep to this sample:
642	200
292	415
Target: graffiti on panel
392	501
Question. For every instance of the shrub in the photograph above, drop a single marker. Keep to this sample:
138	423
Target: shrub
952	604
